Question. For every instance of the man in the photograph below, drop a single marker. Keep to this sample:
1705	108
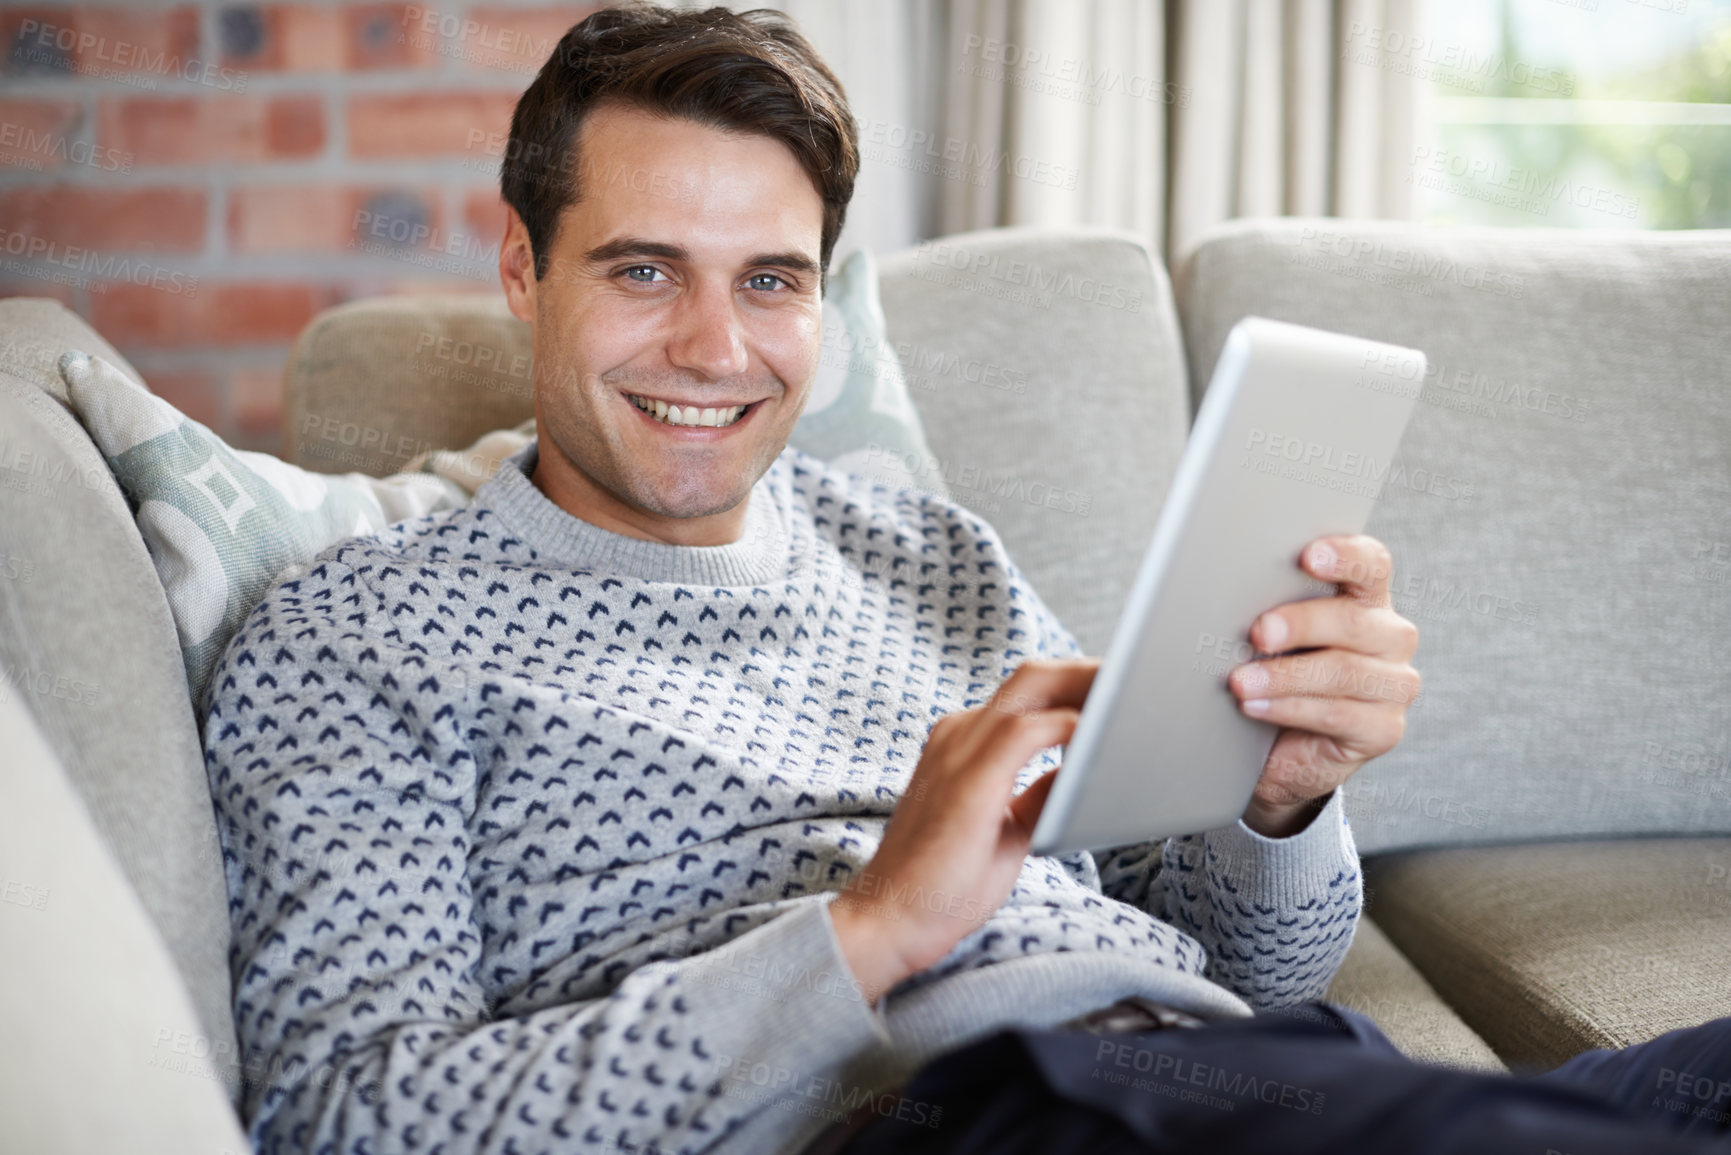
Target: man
562	822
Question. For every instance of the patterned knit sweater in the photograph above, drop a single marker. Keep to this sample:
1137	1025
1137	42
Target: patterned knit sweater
530	831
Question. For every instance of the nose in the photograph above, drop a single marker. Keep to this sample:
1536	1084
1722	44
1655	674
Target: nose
709	334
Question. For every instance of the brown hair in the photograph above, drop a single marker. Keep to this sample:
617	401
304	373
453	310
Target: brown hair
744	72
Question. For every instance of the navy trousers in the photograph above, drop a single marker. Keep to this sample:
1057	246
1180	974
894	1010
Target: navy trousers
1314	1079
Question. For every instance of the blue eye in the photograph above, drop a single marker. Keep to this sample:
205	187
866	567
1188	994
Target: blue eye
756	277
650	269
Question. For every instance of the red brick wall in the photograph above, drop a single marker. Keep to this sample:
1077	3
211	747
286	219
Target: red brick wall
199	180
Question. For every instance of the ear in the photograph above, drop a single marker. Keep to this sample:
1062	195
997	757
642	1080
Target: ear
517	267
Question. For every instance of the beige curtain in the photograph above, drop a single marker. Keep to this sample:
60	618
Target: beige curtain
1185	113
1163	117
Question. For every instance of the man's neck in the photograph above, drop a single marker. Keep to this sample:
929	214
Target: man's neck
576	493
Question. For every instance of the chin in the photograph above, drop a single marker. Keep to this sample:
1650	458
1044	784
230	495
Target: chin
689	489
684	501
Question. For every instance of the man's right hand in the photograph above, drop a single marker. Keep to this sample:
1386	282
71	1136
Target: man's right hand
956	842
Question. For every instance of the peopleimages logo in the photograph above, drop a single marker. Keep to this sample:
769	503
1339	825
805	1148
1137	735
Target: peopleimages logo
1070	76
1521	188
85	261
51	44
1474	391
1025	274
1348	471
33	147
1389	804
975	159
413	233
1421	589
1315	454
1449	64
1363	254
1179	1078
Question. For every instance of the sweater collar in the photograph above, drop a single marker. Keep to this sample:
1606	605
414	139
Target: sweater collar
762	553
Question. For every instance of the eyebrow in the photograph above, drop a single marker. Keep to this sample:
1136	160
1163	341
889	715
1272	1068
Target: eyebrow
638	247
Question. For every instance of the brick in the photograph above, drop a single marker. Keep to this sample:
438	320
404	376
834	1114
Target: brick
201	130
102	42
511	39
153	42
37	135
150	220
20	33
484	214
287	218
282	37
194	392
425	124
220	315
255	396
322	38
378	36
330	218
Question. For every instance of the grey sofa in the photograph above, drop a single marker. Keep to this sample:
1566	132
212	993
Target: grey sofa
1547	852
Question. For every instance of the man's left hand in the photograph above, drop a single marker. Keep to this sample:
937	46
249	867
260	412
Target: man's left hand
1339	686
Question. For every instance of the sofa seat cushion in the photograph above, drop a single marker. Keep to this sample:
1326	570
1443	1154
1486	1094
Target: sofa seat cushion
1550	950
1378	981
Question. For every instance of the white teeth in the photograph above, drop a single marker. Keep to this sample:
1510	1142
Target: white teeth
689	416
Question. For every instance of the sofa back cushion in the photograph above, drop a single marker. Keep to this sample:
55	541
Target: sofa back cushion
88	646
374	383
1049	372
1557	512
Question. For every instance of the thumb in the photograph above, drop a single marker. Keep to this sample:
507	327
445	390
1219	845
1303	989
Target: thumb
1025	807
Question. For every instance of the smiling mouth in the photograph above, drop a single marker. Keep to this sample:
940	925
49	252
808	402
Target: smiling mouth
690	416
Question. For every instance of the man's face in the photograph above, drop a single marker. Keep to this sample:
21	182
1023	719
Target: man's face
686	274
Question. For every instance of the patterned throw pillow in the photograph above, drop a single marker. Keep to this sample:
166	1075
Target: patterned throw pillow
859	416
222	525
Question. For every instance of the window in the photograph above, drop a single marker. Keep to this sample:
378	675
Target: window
1576	113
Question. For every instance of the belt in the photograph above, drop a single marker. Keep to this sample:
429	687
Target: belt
1129	1015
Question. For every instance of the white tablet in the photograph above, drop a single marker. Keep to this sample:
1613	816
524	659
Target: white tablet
1294	440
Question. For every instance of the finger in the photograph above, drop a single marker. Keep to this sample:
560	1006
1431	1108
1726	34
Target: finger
1344	623
1025	807
1359	564
1013	739
1042	683
1330	673
1040	688
1361	729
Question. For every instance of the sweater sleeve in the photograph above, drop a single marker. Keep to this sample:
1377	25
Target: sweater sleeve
1276	916
363	1014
